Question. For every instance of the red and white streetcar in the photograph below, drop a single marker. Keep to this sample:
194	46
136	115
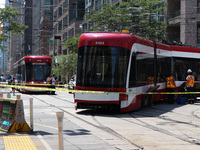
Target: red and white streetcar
32	71
121	63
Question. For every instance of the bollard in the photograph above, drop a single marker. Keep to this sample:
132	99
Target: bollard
31	113
60	129
8	95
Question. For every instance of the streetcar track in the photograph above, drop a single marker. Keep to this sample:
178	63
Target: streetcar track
115	133
146	125
194	114
164	118
142	123
162	130
168	119
106	129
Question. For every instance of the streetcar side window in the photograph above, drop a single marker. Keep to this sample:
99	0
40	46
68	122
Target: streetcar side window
181	65
163	68
145	68
132	78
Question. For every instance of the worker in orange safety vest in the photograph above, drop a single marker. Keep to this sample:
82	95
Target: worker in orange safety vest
171	86
189	86
150	80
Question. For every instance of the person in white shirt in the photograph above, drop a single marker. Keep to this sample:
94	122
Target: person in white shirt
53	83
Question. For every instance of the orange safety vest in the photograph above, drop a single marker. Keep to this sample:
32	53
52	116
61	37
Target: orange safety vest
49	79
190	82
150	80
170	82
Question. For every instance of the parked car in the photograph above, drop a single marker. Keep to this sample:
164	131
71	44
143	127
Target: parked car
72	83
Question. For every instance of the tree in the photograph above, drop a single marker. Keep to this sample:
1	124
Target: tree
8	15
65	66
72	43
143	18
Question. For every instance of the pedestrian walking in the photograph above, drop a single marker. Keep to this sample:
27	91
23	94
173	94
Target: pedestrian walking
171	86
49	82
189	86
53	83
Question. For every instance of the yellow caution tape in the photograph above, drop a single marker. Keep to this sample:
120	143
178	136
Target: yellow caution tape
23	84
84	91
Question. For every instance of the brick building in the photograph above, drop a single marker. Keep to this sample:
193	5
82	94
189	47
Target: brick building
67	17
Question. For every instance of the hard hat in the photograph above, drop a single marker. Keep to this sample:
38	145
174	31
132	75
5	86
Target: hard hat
189	71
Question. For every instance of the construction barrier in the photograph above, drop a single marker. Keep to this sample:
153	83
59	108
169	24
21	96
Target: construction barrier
12	115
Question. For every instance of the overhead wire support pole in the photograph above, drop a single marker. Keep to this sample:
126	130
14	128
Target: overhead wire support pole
155	63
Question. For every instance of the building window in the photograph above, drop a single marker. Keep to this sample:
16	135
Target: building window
65	36
198	6
71	33
65	21
65	6
198	34
60	11
98	5
47	2
56	15
65	52
56	29
60	26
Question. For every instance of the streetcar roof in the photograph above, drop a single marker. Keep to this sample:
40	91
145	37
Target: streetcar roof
34	58
126	41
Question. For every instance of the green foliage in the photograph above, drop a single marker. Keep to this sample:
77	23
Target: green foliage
72	43
144	18
9	15
65	65
110	18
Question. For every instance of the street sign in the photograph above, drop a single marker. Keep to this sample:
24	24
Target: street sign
49	41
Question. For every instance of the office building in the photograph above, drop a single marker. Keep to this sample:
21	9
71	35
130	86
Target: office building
183	18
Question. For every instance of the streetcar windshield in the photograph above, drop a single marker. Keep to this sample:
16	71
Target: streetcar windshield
37	71
102	67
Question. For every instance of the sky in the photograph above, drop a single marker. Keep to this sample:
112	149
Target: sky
2	3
